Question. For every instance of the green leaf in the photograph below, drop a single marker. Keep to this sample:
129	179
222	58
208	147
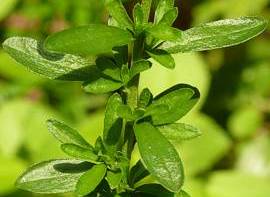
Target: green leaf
66	134
112	123
118	12
163	7
156	110
164	33
139	66
138	16
29	53
218	34
92	39
114	178
163	58
146	7
125	112
102	85
90	180
169	17
178	132
125	74
137	173
79	152
108	68
180	99
146	98
56	176
183	194
159	156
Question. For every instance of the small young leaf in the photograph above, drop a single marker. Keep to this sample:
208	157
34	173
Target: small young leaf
90	180
125	74
92	39
218	34
112	123
118	12
102	85
178	132
146	98
56	176
29	53
146	7
138	16
169	17
125	112
114	178
159	156
164	33
65	134
163	57
79	152
139	66
108	68
137	173
180	99
163	7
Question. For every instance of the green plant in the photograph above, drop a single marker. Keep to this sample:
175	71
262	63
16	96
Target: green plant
109	59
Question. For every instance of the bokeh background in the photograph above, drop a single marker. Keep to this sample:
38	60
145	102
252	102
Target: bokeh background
230	159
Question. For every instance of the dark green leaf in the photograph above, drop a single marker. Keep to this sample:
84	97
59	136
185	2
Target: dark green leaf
146	7
112	123
159	156
90	180
218	34
169	17
154	190
114	178
108	68
163	7
146	98
92	39
163	57
178	132
180	99
137	173
118	12
102	85
164	33
28	52
65	134
80	152
139	66
56	176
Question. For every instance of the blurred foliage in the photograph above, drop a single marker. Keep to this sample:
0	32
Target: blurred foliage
231	159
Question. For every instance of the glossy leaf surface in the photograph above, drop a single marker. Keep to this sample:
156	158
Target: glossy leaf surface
92	39
163	58
159	156
164	33
29	53
218	34
90	180
56	176
163	7
139	66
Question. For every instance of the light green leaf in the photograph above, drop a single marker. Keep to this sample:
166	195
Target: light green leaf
29	53
92	39
102	85
146	7
108	68
125	74
180	99
163	7
79	152
90	180
114	178
125	112
112	123
138	16
163	58
164	33
139	66
218	34
169	17
178	132
66	134
56	176
146	98
159	156
118	12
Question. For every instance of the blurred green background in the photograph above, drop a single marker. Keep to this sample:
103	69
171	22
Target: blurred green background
231	159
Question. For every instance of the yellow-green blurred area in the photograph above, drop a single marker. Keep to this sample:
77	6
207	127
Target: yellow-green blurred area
230	159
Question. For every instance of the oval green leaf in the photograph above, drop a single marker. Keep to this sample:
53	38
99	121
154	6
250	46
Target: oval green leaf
159	156
28	52
90	180
163	58
56	176
92	39
218	34
180	99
